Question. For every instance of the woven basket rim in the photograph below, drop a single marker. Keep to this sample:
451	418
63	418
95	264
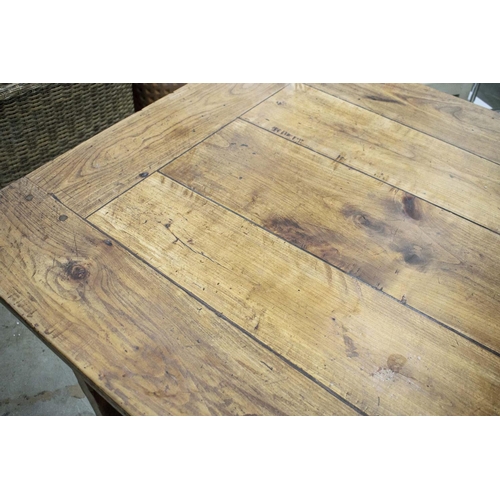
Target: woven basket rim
12	90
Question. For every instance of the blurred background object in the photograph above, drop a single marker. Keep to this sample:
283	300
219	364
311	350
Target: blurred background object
486	95
40	121
461	90
147	93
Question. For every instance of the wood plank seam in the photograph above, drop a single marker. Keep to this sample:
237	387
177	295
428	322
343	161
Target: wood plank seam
339	160
479	344
222	316
401	123
342	408
198	227
375	232
340	331
184	152
39	176
232	323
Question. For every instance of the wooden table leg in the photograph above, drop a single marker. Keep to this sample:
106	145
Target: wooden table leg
101	407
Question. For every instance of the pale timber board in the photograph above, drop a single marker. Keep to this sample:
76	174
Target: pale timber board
139	339
379	355
429	168
455	121
431	259
109	163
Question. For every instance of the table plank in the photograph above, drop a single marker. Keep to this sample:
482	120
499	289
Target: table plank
93	173
402	157
148	345
376	353
458	122
441	264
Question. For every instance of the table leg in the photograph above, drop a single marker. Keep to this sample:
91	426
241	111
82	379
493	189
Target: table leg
101	407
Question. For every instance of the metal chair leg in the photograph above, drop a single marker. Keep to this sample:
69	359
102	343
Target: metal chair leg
473	92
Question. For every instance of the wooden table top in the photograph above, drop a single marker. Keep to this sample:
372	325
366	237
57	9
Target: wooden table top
271	249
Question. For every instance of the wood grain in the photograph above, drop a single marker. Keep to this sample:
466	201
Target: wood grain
378	354
402	157
106	165
445	266
458	122
144	342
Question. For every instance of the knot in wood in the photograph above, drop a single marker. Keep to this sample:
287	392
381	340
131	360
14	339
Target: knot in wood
76	271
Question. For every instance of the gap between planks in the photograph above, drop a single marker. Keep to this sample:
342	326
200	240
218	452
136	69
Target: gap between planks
153	243
473	341
231	322
441	323
338	160
320	89
183	153
205	304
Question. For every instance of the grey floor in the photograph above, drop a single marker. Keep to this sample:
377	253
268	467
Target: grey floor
34	381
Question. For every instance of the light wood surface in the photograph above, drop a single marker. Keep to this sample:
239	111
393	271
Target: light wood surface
284	252
400	156
93	173
423	108
146	343
410	249
342	332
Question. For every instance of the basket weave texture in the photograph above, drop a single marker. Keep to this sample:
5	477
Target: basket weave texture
40	121
147	93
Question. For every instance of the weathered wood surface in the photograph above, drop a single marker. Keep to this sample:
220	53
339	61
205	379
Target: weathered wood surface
103	167
147	344
441	264
376	353
440	115
195	309
426	167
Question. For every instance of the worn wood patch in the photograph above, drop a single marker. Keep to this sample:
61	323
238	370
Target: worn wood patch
458	122
106	165
141	340
445	266
426	167
378	354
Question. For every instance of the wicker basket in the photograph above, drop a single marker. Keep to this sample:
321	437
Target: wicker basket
40	121
147	93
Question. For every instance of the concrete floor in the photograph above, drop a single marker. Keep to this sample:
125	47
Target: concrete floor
33	380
